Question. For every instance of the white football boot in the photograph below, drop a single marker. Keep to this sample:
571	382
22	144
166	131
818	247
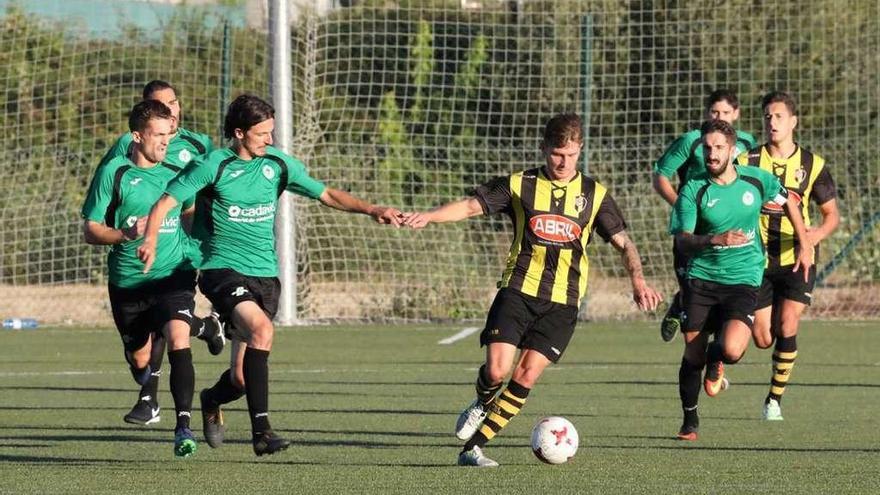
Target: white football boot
469	420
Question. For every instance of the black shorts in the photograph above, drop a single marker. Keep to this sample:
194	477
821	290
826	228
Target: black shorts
143	310
226	288
782	283
530	323
706	301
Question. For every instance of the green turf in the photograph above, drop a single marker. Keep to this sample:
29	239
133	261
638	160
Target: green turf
370	410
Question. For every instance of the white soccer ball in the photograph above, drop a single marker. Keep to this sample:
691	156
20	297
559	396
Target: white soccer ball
554	440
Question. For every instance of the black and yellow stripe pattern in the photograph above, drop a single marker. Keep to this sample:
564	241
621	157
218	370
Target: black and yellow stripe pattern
783	362
552	223
797	174
501	411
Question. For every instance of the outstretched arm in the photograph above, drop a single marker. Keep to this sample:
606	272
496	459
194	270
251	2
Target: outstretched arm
645	297
343	201
146	252
450	212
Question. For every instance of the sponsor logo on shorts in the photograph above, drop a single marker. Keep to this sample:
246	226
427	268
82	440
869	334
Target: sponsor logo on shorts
751	318
495	331
555	350
251	214
185	312
555	228
809	295
239	291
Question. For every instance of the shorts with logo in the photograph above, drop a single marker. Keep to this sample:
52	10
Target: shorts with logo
782	283
530	323
680	263
226	288
708	304
143	310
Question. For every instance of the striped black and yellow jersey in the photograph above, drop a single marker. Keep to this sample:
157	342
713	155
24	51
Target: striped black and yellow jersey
806	177
553	223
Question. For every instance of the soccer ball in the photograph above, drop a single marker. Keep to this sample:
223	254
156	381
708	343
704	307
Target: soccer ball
554	440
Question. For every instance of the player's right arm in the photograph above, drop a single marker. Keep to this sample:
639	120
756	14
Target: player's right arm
491	197
197	174
683	224
675	157
94	212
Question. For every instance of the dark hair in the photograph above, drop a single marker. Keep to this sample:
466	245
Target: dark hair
245	112
779	97
721	126
145	111
156	85
562	128
722	95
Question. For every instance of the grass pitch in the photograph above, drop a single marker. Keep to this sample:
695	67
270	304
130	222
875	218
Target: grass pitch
371	409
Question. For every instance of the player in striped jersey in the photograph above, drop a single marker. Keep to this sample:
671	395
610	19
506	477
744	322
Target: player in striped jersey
555	210
784	295
684	158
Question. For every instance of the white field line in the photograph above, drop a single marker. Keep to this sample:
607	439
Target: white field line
460	335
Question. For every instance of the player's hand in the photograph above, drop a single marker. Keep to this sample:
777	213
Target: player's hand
730	238
813	235
136	230
146	252
416	220
646	298
387	216
804	259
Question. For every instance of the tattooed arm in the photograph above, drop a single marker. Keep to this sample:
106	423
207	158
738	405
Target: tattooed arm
646	297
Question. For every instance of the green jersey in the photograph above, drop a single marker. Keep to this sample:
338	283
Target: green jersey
706	207
685	156
183	147
120	193
237	203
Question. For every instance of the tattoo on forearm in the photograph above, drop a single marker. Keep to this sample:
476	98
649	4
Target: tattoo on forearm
629	253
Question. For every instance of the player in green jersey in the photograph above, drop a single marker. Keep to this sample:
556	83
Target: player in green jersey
784	295
240	268
115	209
183	146
684	159
716	220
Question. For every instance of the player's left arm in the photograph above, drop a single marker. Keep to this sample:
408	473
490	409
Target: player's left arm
825	195
343	201
805	253
611	226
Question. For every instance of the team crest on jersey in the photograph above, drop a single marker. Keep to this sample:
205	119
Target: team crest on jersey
555	228
748	198
799	175
580	203
184	156
268	172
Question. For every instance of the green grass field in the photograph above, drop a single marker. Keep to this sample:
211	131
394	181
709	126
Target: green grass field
370	409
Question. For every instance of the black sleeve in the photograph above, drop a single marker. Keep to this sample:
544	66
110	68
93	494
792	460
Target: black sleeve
824	189
609	220
494	196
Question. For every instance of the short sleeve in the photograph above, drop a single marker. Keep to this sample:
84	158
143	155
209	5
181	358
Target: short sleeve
684	212
494	196
824	189
100	194
675	156
299	181
198	173
609	220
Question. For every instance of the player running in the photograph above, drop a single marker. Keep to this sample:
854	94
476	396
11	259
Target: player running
555	210
716	221
162	301
239	273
